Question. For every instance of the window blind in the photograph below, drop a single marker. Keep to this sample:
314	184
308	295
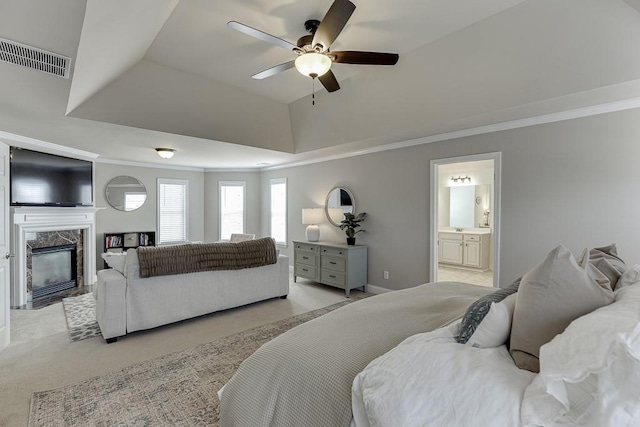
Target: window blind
279	210
232	212
172	211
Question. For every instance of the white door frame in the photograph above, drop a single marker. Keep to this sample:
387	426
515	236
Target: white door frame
497	206
5	247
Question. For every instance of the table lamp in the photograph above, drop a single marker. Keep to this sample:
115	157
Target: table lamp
312	217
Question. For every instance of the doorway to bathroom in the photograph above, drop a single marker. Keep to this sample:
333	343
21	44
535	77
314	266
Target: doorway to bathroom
465	219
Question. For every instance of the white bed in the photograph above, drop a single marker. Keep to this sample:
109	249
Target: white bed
396	359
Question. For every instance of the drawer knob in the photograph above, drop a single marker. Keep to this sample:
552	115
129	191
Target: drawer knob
304	269
305	257
332	262
332	276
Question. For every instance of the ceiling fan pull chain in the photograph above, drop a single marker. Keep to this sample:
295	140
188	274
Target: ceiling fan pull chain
313	91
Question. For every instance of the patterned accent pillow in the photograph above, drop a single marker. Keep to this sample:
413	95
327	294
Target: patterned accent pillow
479	309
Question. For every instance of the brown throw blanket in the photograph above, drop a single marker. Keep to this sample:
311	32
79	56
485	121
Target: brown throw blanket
195	257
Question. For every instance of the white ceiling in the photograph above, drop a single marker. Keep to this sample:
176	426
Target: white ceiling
150	73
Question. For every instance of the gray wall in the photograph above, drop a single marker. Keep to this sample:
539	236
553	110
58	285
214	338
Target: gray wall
110	220
212	202
572	182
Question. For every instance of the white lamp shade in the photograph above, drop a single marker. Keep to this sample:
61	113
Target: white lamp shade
312	216
313	63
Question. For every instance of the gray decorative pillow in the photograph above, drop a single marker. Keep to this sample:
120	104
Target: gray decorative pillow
479	309
607	261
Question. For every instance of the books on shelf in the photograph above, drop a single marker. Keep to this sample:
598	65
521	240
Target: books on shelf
113	241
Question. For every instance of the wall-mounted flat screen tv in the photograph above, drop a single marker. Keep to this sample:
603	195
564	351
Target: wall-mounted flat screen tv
41	179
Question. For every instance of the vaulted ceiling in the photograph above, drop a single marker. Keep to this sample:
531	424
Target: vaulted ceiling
152	73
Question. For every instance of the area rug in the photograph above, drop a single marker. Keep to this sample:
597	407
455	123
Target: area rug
176	389
80	312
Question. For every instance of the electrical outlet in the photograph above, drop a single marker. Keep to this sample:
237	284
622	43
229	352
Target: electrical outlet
386	275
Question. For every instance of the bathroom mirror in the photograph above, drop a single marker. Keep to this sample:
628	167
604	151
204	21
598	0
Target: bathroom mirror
339	201
462	206
467	205
125	193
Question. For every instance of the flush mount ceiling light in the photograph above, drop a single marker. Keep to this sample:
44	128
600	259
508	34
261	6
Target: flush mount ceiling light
166	153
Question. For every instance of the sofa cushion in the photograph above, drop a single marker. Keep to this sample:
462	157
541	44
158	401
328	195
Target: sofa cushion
115	260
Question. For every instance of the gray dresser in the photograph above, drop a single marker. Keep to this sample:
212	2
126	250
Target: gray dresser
334	264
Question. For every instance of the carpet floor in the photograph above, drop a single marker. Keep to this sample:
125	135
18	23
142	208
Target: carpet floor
80	312
176	389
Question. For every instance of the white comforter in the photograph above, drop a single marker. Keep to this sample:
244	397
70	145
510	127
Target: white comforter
431	380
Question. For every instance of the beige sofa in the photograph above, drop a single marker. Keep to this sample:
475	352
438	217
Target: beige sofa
127	302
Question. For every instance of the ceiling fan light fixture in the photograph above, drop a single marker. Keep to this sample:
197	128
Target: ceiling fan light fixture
312	64
166	153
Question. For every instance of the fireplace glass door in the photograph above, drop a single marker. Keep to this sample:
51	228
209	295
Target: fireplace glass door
53	269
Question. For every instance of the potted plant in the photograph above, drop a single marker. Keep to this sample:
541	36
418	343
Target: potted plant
349	225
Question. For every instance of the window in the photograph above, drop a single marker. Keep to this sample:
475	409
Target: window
279	210
172	210
232	215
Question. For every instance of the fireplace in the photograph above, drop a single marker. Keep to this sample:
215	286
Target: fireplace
36	228
53	269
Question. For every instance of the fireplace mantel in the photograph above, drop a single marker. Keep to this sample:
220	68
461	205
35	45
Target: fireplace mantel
26	220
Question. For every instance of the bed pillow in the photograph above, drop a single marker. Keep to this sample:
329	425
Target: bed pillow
590	374
552	295
115	260
606	261
480	308
629	277
495	328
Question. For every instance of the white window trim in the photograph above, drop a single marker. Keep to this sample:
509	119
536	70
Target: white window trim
286	209
242	184
186	208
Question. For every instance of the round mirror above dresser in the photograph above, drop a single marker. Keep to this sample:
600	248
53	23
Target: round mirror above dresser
339	201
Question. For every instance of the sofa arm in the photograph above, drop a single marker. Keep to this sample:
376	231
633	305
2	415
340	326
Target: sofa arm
111	308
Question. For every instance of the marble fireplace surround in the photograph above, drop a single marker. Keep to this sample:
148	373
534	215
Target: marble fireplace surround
28	221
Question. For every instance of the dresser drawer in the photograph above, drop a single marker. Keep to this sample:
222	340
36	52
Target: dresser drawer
471	238
334	263
332	278
307	247
307	271
307	258
334	252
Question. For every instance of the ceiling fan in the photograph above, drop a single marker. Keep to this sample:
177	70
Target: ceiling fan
314	57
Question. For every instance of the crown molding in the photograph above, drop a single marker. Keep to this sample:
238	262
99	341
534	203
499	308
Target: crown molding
147	165
243	170
496	127
31	143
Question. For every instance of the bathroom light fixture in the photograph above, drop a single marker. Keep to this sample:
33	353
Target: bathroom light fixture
461	178
166	153
312	217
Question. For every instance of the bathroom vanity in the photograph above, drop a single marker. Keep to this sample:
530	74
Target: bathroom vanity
468	248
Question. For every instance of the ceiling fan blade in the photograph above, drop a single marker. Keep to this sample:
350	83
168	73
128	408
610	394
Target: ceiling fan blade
261	35
329	81
273	70
365	58
333	23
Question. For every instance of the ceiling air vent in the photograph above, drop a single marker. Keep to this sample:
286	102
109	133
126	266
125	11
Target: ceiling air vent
34	58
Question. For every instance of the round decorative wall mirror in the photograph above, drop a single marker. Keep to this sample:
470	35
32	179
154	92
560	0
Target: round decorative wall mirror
125	193
339	201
